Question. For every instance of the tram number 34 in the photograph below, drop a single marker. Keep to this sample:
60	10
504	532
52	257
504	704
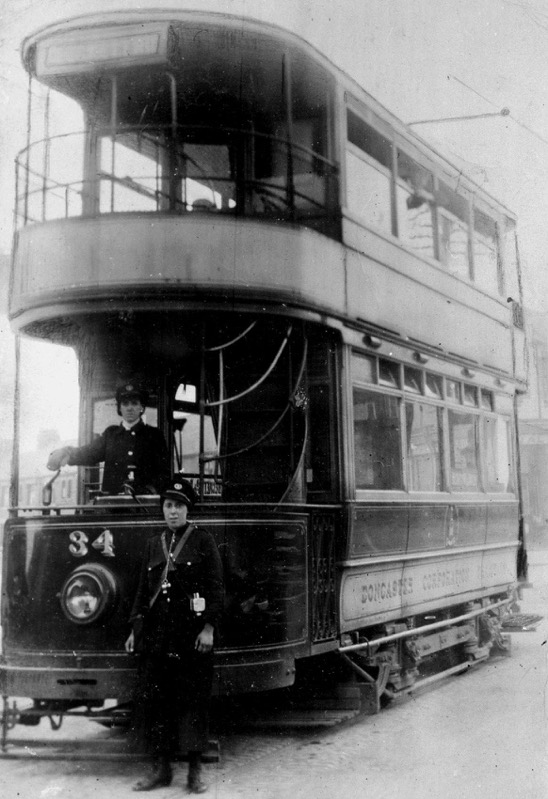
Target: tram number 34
104	543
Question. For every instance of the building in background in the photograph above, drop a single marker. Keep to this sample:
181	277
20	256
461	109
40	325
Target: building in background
533	432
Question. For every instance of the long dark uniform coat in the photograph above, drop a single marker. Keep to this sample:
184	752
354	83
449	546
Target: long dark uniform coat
173	697
143	447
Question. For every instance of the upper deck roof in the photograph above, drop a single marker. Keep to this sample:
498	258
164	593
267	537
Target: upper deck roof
153	48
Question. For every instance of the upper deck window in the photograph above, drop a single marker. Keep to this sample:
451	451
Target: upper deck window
486	268
369	179
223	120
453	230
414	198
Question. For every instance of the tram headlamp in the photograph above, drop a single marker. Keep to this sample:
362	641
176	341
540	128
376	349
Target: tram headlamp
88	593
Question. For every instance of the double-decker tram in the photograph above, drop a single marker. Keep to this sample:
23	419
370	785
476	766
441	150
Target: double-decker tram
317	305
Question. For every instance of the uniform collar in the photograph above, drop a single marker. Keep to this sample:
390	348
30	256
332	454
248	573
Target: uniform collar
133	426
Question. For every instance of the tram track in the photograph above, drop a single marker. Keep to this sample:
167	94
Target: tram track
241	728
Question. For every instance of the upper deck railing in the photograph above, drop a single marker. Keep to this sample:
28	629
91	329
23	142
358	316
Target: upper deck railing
175	169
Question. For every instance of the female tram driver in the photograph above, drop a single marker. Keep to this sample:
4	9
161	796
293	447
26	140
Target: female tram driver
134	453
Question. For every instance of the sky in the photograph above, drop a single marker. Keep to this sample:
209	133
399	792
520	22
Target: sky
422	59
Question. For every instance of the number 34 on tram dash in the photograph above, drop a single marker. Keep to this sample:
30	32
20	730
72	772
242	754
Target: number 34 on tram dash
317	304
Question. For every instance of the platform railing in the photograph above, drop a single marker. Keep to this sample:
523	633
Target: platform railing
194	170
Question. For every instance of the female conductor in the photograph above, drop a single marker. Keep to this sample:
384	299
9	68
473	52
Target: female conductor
174	616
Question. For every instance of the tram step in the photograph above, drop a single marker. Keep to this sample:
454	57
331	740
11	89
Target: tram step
521	622
300	719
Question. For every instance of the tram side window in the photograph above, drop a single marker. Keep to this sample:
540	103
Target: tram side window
453	231
414	200
463	451
186	433
377	441
369	173
424	447
486	270
497	454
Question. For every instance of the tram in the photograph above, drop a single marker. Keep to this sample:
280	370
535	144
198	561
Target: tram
327	317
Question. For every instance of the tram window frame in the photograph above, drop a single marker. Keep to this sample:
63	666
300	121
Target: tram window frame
187	406
466	401
470	395
374	150
487	400
431	379
453	391
412	403
393	371
413	380
394	466
414	189
492	487
490	280
369	373
454	454
453	208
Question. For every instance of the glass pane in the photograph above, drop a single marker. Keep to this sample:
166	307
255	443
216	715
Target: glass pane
369	140
389	373
453	230
498	460
485	253
433	386
368	192
414	200
377	445
209	183
463	451
487	400
453	390
510	284
412	379
50	372
186	433
424	437
415	225
311	99
453	240
130	174
470	395
363	368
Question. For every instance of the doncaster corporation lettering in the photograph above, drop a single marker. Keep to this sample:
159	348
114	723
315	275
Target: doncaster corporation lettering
446	578
376	592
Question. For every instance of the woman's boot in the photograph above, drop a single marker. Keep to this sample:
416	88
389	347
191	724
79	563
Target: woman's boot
160	776
195	781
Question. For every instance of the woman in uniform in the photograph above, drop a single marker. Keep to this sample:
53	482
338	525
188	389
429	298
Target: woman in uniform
174	617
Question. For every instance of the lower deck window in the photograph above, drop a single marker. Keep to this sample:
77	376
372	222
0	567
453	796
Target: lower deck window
498	463
377	441
463	451
424	452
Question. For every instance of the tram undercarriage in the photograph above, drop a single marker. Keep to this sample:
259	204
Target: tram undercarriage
369	670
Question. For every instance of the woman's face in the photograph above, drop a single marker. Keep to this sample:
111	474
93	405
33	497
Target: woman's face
175	513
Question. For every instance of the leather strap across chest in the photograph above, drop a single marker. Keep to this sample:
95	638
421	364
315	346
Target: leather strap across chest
170	558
